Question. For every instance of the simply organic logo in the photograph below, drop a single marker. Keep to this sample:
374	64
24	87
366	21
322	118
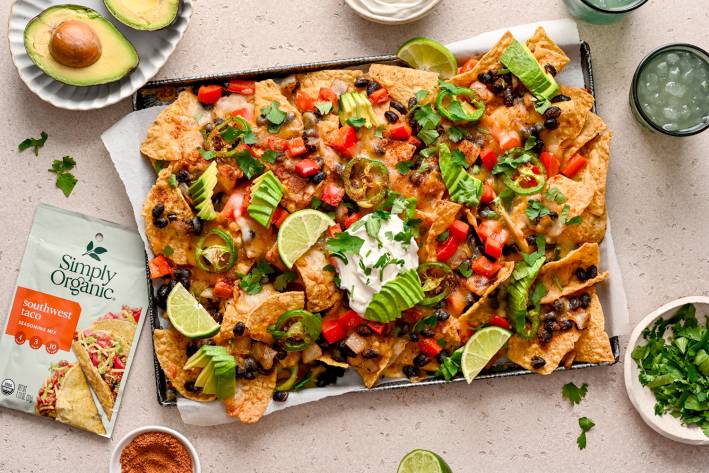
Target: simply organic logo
79	277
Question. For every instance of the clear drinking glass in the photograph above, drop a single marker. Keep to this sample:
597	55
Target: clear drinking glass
670	90
602	12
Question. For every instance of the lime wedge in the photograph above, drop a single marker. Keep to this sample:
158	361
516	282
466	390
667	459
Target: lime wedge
422	461
299	232
480	349
428	55
188	316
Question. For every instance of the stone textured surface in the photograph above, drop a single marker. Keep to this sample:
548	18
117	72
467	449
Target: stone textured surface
659	207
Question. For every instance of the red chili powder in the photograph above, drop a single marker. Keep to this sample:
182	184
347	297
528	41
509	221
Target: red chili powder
156	452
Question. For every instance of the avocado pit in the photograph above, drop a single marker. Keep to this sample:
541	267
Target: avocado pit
75	44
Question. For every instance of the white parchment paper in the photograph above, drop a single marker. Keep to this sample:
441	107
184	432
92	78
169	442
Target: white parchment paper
123	142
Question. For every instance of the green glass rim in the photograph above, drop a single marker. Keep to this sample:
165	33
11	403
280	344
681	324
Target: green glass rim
699	52
614	10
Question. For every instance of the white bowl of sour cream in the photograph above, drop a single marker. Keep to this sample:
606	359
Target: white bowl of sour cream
392	12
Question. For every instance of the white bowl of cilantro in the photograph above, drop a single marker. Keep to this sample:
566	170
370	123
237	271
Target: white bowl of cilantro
667	370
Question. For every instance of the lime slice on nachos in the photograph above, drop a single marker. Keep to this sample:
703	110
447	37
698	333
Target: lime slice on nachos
422	461
428	55
188	316
299	232
480	349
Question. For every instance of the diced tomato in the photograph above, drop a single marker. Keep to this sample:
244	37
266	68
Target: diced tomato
447	249
487	228
304	102
495	242
344	139
489	158
118	364
332	331
551	164
224	289
509	140
233	204
276	144
159	267
498	321
429	347
459	230
333	194
328	95
485	267
467	65
279	216
334	230
209	94
307	167
350	219
380	95
488	194
456	302
349	320
243	87
377	327
244	113
399	131
296	147
575	164
414	141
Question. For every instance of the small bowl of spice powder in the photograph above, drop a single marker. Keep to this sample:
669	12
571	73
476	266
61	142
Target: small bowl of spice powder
154	449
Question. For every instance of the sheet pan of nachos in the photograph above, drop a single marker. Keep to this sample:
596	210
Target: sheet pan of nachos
374	219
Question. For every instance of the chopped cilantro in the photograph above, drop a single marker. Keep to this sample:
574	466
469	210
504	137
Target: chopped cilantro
573	393
511	160
172	180
537	294
167	251
59	166
489	213
251	283
469	192
443	236
536	210
323	107
427	117
248	164
541	105
230	134
65	180
269	156
421	94
357	122
459	159
343	243
282	281
34	143
315	203
455	134
574	220
428	135
275	117
424	322
329	268
586	424
506	197
464	269
554	195
379	131
207	154
404	166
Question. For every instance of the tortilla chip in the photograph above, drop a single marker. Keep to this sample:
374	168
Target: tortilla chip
252	398
74	404
328	360
578	194
594	346
558	276
267	312
474	316
319	284
546	51
102	390
389	350
515	223
175	133
174	234
237	310
444	213
266	92
312	82
403	82
568	360
591	128
522	351
489	61
581	97
571	121
592	229
171	351
596	170
119	328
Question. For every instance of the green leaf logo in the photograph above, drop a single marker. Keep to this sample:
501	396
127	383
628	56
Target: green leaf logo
94	251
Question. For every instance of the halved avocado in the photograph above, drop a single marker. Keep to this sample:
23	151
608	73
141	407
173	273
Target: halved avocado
146	15
77	46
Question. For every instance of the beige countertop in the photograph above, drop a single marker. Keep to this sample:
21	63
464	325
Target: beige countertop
658	200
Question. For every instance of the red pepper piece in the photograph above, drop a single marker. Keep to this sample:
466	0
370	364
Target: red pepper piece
399	131
243	87
332	331
488	194
344	139
575	164
489	158
279	216
380	95
307	167
159	267
224	289
349	320
352	219
304	102
498	321
377	327
209	94
429	347
447	249
551	164
333	194
485	267
328	95
459	230
296	147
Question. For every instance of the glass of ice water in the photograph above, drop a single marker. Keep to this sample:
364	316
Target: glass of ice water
670	90
602	12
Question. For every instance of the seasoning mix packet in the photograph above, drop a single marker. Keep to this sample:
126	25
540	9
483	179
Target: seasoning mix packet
73	324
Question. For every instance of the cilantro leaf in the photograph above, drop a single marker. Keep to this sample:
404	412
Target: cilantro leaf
230	134
428	136
464	269
404	166
343	243
248	164
541	105
573	393
511	160
34	143
427	117
282	281
323	107
455	134
554	195
458	159
172	180
251	283
357	122
421	94
586	424
275	117
536	210
208	155
269	156
469	192
59	166
66	182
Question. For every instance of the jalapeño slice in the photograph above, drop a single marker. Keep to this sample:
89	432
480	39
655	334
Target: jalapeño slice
527	179
366	181
437	280
298	329
459	104
215	258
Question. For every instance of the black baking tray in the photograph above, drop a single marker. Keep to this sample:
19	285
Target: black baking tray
162	92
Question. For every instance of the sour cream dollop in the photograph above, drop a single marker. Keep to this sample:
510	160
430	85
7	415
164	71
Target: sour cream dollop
397	9
379	260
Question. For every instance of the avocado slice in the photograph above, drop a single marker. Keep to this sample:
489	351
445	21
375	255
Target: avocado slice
77	46
225	374
144	15
357	105
266	193
201	193
205	375
522	63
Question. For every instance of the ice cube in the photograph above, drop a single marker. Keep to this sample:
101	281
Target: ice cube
688	76
685	112
670	113
662	68
672	58
674	73
676	89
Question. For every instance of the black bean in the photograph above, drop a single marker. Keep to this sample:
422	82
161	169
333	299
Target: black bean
538	362
414	337
172	216
441	315
508	97
580	274
538	146
553	215
181	273
560	98
280	396
412	102
531	240
486	77
347	351
558	305
565	325
250	364
551	124
190	387
317	178
373	87
361	82
191	349
584	300
552	112
404	328
591	272
551	70
250	375
574	303
160	222
338	356
239	329
162	293
471	298
218	121
158	210
197	225
549	316
427	333
410	371
183	176
549	325
544	335
363	330
209	127
421	360
281	354
499	85
370	354
510	249
391	117
322	381
398	106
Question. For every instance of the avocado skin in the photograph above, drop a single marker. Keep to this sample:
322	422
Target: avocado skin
53	69
164	22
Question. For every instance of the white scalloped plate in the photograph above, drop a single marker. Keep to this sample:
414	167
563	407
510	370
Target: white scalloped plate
154	47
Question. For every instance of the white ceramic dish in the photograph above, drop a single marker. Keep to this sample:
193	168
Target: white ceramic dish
154	47
115	465
369	13
642	398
